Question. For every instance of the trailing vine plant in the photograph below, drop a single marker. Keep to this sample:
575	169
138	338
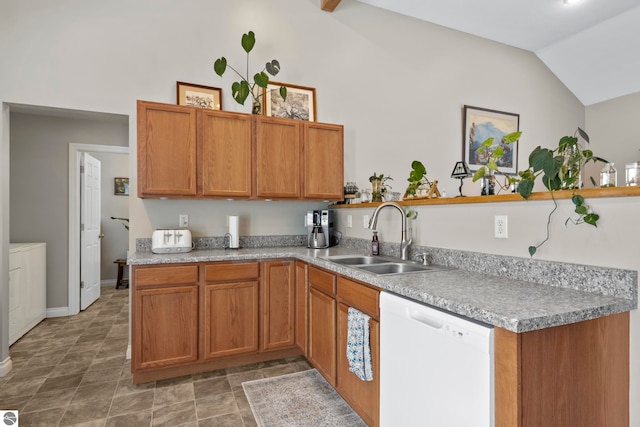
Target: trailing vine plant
559	169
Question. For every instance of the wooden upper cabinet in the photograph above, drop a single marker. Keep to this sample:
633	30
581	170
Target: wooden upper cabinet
167	147
323	161
225	152
278	154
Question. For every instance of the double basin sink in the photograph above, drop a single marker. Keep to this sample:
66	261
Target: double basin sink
381	264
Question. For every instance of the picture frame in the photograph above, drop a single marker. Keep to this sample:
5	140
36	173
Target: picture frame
300	103
121	186
193	95
482	123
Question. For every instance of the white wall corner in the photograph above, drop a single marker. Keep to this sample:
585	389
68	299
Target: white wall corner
5	366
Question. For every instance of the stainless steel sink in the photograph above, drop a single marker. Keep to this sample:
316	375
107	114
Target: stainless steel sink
395	268
357	259
381	264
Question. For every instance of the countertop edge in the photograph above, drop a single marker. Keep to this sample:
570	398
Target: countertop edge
602	306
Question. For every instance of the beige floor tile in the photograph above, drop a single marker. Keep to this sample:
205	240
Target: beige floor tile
126	387
48	417
83	412
173	394
216	405
227	420
95	392
174	415
50	399
62	382
132	403
21	387
100	376
138	419
211	386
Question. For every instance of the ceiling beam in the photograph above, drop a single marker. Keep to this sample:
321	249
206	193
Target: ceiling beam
330	5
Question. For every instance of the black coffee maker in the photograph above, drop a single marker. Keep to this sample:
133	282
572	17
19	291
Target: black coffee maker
319	229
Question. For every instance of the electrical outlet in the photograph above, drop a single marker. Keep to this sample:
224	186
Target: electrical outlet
365	221
500	229
183	220
349	221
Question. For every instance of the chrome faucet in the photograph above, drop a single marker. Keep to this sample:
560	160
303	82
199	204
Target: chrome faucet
404	242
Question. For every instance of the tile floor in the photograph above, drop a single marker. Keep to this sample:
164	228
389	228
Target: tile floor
73	371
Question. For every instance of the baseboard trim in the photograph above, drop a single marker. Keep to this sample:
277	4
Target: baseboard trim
128	355
108	282
6	366
58	312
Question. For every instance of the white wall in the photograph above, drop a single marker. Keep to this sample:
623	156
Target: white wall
397	84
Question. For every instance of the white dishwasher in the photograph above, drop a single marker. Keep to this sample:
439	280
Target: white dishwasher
436	369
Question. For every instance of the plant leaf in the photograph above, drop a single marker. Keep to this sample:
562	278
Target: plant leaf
511	137
498	152
261	79
248	41
525	188
417	166
283	92
273	67
538	157
581	210
240	91
220	66
592	219
479	174
583	134
577	200
532	250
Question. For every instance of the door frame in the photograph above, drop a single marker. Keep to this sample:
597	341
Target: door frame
75	151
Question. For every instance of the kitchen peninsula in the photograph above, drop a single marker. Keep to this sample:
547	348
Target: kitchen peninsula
545	335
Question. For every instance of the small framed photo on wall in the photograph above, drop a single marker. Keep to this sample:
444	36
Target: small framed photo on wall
121	186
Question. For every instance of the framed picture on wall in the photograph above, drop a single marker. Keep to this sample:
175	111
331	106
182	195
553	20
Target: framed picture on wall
479	124
121	186
300	103
193	95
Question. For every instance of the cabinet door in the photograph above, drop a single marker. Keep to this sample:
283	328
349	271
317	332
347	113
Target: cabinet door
166	150
322	334
231	319
323	169
302	296
165	326
278	154
225	153
363	396
278	305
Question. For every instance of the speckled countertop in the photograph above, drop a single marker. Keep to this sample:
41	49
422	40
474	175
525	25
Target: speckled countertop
512	304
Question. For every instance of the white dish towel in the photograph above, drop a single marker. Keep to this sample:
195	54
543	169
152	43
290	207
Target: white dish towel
358	346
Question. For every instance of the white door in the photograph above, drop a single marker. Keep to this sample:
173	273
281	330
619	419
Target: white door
89	231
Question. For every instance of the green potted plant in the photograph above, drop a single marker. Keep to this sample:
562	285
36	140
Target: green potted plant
559	168
379	186
417	179
241	90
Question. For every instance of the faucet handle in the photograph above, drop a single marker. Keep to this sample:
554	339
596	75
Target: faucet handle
425	256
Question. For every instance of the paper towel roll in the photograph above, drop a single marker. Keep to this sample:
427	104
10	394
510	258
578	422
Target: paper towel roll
234	236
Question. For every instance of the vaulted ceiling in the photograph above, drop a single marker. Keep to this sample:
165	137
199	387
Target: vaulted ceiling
593	46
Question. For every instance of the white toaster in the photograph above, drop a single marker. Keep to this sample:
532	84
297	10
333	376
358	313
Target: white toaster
168	241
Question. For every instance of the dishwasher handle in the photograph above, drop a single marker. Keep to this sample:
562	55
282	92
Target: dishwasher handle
425	319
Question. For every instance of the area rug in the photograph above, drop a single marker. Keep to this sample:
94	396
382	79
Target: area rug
298	400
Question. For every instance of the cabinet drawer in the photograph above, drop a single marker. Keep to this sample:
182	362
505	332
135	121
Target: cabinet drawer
359	296
322	280
219	272
174	275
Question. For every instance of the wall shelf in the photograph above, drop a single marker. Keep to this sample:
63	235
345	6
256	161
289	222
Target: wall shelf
587	193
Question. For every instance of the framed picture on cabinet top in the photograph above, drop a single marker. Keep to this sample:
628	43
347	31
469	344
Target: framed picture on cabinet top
193	95
300	103
479	124
121	186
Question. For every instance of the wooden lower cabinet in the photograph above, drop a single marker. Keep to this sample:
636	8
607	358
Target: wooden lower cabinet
302	302
570	375
322	323
166	325
230	319
363	396
278	304
198	317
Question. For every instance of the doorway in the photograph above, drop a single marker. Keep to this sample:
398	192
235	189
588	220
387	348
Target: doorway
75	157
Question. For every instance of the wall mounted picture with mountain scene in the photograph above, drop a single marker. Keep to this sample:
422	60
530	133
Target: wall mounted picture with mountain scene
480	124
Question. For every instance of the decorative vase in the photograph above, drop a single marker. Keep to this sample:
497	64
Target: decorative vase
376	190
256	108
488	183
571	170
